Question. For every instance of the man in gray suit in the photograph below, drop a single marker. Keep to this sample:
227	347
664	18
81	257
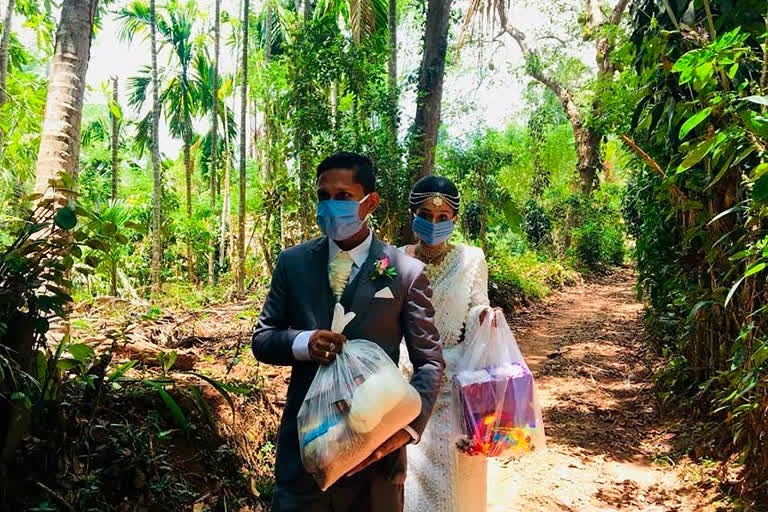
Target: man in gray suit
292	330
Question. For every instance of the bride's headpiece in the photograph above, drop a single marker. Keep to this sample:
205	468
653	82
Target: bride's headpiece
438	198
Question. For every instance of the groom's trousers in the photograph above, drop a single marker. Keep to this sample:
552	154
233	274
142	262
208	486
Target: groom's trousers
371	490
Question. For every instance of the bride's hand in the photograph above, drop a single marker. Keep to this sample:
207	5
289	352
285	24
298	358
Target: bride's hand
484	314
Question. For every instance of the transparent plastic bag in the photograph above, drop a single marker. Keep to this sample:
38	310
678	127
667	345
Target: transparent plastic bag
353	405
494	395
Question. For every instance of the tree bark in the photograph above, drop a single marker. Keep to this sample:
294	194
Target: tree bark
60	140
188	188
430	90
225	202
156	177
115	141
392	76
241	202
4	50
214	124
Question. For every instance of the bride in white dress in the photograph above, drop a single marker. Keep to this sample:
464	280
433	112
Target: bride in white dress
439	477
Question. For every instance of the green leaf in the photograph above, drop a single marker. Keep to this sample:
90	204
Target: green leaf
23	398
65	218
81	352
121	370
760	170
733	290
203	405
694	121
220	388
760	100
754	269
109	228
170	403
696	154
726	212
760	190
697	307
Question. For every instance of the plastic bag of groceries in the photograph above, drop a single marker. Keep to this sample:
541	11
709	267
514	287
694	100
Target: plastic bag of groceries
353	405
494	396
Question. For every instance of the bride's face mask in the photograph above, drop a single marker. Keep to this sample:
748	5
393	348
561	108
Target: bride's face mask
434	223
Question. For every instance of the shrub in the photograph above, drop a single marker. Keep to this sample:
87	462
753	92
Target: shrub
537	224
517	280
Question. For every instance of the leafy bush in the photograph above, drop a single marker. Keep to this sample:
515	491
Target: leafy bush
697	208
516	280
596	244
537	223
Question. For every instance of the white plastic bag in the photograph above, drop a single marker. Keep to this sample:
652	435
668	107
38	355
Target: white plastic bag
353	405
494	395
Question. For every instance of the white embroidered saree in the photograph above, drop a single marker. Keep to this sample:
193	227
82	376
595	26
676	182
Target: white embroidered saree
439	478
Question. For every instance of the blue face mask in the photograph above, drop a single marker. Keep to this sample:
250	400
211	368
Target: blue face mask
339	220
432	234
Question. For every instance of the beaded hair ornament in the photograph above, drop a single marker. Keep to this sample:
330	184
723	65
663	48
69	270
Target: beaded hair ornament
437	198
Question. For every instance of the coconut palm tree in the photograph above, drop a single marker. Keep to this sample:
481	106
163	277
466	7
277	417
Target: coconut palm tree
4	40
60	140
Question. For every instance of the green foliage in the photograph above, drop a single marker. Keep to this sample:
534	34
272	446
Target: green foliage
519	279
537	224
700	218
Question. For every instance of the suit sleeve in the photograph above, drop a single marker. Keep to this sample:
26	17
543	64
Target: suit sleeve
424	348
273	339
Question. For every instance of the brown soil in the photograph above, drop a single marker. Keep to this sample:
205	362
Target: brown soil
607	448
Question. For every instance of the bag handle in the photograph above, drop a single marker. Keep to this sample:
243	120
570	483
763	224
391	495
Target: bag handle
341	319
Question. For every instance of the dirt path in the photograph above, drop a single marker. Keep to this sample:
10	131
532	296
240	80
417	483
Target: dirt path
606	447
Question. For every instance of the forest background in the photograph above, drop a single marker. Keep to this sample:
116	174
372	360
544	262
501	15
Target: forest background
156	157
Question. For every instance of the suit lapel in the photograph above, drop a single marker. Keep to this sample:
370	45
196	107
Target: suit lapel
361	290
324	301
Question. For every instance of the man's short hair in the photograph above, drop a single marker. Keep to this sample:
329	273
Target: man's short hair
365	171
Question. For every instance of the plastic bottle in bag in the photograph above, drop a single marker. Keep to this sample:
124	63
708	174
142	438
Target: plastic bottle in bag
352	406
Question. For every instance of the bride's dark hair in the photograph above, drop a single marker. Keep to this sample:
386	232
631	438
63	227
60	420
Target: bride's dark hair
429	186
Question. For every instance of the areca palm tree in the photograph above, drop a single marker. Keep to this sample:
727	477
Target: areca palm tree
179	94
362	17
142	18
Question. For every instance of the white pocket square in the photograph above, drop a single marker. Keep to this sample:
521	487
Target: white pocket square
384	293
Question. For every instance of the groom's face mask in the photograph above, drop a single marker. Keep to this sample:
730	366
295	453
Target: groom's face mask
341	212
340	219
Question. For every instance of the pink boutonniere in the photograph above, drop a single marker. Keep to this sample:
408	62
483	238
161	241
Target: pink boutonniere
382	269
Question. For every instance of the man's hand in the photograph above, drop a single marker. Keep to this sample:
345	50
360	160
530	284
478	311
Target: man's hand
324	345
397	441
484	313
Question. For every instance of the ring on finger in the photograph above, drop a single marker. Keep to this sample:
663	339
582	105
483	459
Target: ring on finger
327	355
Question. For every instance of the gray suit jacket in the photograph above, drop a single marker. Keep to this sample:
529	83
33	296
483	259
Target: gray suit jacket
300	298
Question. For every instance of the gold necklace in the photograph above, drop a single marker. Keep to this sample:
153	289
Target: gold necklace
430	255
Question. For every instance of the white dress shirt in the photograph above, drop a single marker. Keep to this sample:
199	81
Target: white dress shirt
358	254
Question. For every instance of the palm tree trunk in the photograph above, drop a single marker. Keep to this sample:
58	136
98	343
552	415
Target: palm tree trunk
241	202
225	199
60	140
113	275
156	178
4	52
115	141
214	127
430	89
188	187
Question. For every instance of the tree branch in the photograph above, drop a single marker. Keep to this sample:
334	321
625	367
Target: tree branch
618	12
